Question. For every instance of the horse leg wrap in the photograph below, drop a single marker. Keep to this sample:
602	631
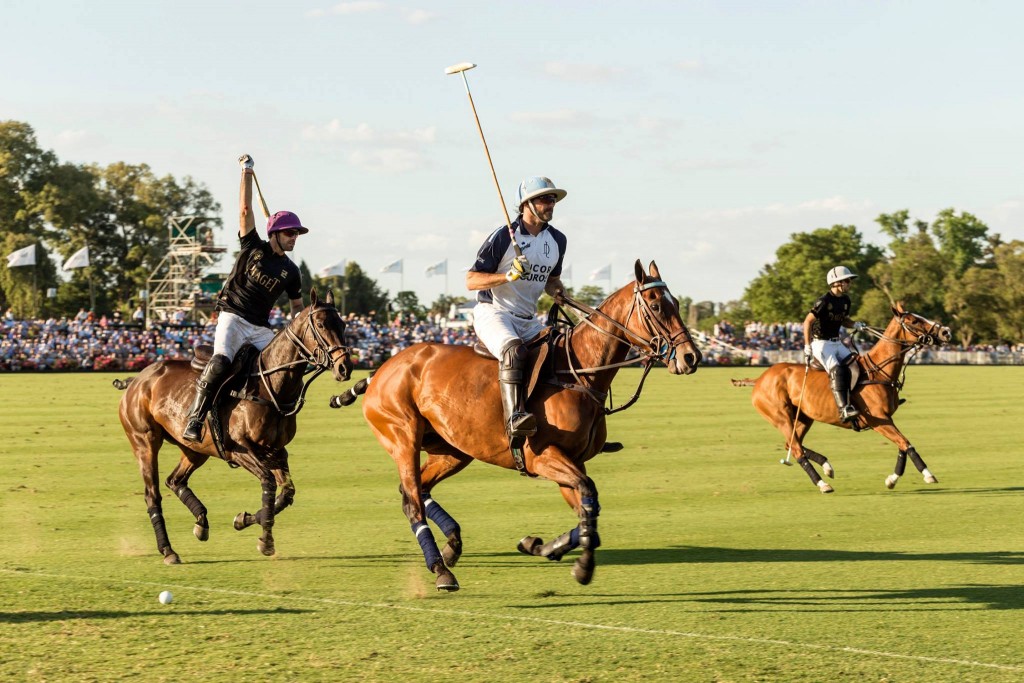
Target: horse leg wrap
193	504
557	548
426	540
265	517
916	459
811	472
157	518
901	464
590	508
440	517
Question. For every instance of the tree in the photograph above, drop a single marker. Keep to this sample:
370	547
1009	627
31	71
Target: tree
443	304
973	304
407	303
1009	263
362	294
915	273
962	240
785	289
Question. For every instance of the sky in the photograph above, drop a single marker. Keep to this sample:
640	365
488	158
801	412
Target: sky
701	135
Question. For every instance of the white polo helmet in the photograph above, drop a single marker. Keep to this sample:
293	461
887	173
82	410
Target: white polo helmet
838	274
536	186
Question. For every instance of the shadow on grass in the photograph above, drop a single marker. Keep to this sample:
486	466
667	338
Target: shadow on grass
967	598
709	555
67	615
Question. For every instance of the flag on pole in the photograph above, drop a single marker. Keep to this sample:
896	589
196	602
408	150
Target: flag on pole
334	269
80	259
22	257
602	273
393	267
439	268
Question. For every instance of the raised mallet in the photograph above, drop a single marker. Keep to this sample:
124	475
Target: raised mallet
259	193
461	69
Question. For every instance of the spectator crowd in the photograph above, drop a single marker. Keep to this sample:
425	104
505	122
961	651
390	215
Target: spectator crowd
87	342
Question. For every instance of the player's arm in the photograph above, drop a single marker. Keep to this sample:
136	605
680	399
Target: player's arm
246	220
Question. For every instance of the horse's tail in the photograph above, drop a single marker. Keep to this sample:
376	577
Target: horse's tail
122	384
349	397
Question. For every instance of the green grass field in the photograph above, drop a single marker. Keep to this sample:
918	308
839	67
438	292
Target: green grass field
718	563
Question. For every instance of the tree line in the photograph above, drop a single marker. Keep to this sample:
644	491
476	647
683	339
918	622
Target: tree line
952	269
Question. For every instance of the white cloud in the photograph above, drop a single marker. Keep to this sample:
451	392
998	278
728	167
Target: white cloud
690	66
582	73
356	7
419	16
336	131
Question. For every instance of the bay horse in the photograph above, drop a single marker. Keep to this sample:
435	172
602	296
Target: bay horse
792	396
256	426
443	399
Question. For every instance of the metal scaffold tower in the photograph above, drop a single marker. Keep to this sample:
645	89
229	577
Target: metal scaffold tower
182	288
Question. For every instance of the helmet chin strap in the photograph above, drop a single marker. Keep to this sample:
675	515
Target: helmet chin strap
529	203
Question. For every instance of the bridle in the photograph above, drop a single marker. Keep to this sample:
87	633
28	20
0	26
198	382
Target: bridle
908	348
321	358
659	344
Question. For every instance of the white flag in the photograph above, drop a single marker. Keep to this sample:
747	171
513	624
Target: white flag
332	270
393	267
566	273
22	257
439	268
80	259
602	273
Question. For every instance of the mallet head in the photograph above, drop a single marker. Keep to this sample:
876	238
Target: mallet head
459	68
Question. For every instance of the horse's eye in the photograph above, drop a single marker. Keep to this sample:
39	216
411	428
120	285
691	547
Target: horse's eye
656	307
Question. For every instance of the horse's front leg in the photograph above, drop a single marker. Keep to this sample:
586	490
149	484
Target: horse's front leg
906	449
285	498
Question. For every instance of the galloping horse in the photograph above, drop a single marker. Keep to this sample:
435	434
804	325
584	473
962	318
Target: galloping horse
443	399
792	397
256	426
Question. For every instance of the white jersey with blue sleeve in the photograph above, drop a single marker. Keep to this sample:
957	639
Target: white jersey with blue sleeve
544	251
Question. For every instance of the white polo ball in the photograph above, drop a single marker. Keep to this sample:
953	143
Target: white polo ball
166	597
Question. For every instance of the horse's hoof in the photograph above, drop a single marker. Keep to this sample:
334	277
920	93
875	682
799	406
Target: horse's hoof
172	558
890	481
446	582
929	478
450	555
201	532
266	547
530	545
583	568
826	467
825	488
239	522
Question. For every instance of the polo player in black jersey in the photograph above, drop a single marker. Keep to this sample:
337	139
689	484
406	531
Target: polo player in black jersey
822	340
261	273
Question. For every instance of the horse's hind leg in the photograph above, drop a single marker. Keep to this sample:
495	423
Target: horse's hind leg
178	482
146	437
817	457
440	466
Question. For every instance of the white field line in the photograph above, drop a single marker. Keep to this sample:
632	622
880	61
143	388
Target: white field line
533	620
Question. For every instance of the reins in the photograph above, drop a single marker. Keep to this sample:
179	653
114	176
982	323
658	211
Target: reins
319	358
659	347
908	349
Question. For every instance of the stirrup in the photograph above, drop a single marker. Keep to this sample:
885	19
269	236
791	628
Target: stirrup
848	413
521	425
193	431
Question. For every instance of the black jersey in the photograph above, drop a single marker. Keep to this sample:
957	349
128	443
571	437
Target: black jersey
830	311
257	280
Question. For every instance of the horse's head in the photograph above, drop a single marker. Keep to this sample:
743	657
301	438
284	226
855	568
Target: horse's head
917	329
320	330
658	325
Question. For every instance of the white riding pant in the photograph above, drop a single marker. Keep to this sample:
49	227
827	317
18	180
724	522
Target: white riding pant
498	328
234	330
829	353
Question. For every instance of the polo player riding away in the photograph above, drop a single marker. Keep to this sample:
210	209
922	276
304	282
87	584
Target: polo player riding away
508	288
261	273
822	339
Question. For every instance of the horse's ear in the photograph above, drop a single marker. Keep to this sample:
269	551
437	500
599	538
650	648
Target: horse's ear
898	308
312	296
639	271
329	299
655	273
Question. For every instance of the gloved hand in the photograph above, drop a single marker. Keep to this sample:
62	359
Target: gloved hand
858	326
519	266
807	354
245	161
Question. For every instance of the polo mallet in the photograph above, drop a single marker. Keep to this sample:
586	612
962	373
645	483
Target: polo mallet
799	405
461	69
259	193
